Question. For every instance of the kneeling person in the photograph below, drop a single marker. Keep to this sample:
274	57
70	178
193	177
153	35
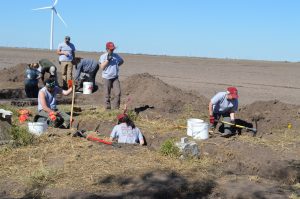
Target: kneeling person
47	102
126	131
224	104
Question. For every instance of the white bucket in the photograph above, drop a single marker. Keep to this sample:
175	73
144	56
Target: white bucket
87	87
197	128
37	128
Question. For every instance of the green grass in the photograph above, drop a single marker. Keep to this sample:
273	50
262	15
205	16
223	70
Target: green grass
168	148
21	136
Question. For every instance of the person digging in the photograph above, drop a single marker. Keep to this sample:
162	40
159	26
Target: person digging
47	104
224	105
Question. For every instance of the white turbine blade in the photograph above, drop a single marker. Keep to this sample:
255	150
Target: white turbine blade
55	2
60	17
43	8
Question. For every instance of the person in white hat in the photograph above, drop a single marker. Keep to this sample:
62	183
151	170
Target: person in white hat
47	66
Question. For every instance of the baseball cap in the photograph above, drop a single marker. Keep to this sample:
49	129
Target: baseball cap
67	38
233	92
121	116
110	45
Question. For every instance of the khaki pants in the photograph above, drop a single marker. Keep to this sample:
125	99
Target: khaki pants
115	85
67	72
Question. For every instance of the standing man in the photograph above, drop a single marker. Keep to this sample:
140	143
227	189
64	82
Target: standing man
66	52
224	104
47	66
110	63
86	70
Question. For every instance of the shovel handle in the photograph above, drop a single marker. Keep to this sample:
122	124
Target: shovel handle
239	126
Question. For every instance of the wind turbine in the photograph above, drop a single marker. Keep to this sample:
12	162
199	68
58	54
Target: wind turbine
52	8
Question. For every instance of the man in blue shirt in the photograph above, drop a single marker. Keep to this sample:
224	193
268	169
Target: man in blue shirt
110	63
224	104
66	52
86	70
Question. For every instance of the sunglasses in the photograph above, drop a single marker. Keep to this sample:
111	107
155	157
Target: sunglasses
50	85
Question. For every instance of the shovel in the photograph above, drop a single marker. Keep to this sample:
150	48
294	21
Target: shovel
99	140
94	139
254	130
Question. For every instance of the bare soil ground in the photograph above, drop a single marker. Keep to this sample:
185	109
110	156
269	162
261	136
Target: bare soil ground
57	165
256	80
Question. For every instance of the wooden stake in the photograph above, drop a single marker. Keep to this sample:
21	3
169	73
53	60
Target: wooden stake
72	106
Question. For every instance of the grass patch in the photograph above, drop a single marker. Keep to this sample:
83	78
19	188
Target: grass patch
284	140
39	180
294	196
21	136
42	177
168	148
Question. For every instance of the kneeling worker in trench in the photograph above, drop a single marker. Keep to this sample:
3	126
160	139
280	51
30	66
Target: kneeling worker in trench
225	105
47	104
126	132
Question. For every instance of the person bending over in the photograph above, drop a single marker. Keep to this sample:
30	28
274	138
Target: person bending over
47	66
31	81
224	104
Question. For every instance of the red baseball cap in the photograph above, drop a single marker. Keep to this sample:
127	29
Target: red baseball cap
110	45
233	92
121	116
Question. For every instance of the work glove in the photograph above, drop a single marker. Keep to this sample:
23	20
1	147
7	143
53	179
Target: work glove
232	121
23	118
109	57
52	116
70	83
212	119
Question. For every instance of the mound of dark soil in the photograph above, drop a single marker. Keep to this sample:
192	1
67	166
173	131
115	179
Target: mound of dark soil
13	74
145	89
271	115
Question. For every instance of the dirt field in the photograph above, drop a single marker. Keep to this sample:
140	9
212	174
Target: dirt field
256	80
266	165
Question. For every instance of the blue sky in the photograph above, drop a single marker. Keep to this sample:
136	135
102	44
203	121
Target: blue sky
238	29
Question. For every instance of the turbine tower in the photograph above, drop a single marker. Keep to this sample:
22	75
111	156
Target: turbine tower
53	10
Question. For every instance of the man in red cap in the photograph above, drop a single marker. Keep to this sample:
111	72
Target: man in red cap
110	63
224	104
